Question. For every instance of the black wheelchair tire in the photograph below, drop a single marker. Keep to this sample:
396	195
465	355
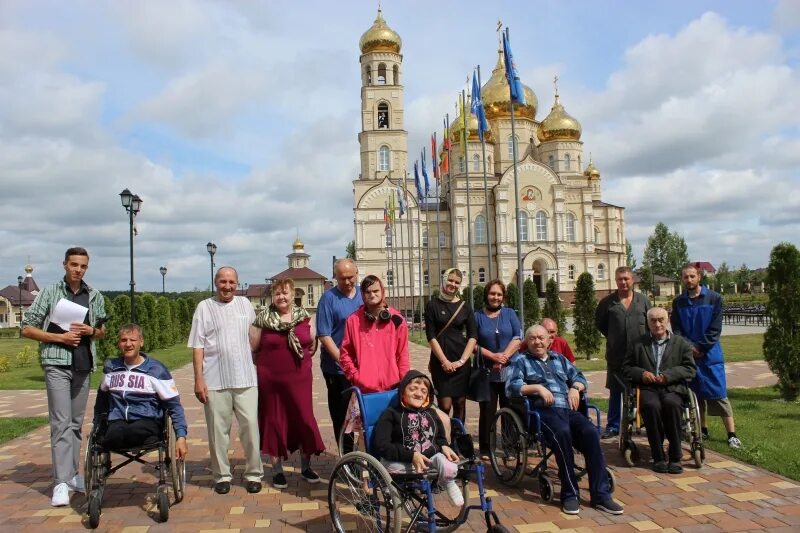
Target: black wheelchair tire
508	416
177	467
698	455
498	528
546	488
94	508
163	505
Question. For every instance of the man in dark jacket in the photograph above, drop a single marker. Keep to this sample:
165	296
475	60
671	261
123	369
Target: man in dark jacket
622	318
660	364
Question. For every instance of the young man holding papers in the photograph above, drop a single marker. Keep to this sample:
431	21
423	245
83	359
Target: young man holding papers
67	355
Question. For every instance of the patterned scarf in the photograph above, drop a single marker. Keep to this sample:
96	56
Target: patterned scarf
270	318
446	297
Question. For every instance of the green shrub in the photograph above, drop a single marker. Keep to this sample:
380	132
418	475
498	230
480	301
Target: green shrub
5	363
25	357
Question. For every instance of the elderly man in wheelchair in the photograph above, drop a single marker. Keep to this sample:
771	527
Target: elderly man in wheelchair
137	411
396	483
659	365
558	385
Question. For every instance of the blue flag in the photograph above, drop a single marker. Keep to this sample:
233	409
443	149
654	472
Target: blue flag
420	194
400	201
477	106
425	174
514	83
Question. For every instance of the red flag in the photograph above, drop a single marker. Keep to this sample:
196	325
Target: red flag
433	156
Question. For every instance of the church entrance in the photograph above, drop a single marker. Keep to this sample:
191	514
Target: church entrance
540	276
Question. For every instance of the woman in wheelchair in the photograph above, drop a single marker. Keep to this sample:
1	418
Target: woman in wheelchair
410	437
133	395
559	385
661	364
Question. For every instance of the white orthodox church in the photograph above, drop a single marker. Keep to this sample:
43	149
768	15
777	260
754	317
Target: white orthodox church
566	229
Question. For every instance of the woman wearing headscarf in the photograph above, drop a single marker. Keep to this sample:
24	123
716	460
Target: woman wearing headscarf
452	335
283	365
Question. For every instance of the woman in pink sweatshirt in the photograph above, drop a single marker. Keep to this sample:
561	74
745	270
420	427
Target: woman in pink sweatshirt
374	353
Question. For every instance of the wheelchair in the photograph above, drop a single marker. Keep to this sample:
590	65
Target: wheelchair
631	425
516	433
364	496
97	469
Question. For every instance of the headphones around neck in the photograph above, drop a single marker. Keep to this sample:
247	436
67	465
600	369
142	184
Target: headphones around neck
383	315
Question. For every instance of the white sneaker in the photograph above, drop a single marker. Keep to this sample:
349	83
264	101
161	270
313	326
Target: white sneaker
77	483
735	443
60	495
454	492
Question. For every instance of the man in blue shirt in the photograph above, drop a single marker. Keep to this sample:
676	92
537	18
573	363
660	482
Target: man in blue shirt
333	308
558	385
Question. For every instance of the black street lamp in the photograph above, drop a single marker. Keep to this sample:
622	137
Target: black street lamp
19	284
132	204
163	271
212	249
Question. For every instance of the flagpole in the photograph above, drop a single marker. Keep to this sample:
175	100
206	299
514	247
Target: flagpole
410	248
428	244
438	204
469	212
486	199
520	276
402	265
410	245
450	203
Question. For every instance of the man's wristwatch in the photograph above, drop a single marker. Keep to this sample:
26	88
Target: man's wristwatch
576	387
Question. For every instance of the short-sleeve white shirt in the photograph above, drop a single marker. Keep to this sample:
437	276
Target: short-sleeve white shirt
221	330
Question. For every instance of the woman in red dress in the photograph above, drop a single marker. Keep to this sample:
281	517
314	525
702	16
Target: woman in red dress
283	363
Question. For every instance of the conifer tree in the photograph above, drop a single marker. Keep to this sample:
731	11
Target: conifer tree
782	338
587	336
552	305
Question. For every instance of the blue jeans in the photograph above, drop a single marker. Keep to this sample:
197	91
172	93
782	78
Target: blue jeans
614	408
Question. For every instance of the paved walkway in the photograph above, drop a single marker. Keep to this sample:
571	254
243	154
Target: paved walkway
722	496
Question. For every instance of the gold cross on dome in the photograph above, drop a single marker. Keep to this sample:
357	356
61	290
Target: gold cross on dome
555	84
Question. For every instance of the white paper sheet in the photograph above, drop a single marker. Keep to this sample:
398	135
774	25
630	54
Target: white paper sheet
66	312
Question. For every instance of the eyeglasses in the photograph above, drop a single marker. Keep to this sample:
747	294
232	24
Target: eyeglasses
552	332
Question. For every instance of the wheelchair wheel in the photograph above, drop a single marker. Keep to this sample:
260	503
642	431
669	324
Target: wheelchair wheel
698	455
498	528
95	502
177	467
89	458
368	502
449	516
612	480
630	453
508	447
546	488
162	500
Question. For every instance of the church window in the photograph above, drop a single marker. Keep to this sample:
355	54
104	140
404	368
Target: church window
480	230
476	163
426	279
551	162
571	272
523	226
570	227
389	238
396	75
425	238
310	295
567	162
368	75
541	226
384	155
383	115
390	278
382	74
601	271
442	240
511	142
481	275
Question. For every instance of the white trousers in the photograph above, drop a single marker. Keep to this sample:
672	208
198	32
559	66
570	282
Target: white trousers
219	411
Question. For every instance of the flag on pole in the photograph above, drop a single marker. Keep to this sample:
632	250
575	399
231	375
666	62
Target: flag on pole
391	209
433	157
386	216
514	83
400	201
420	194
425	173
477	106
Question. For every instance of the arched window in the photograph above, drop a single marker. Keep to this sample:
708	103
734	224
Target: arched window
368	75
396	75
601	271
381	74
426	279
511	141
523	226
383	115
425	238
480	230
571	272
570	227
390	278
384	155
551	162
541	226
476	163
442	241
389	239
461	163
481	275
567	162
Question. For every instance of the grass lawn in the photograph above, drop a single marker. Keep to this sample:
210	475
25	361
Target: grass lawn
11	428
32	377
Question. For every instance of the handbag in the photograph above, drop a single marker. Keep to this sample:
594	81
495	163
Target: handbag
479	389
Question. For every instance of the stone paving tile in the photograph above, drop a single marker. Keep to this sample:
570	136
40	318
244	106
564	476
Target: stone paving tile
725	495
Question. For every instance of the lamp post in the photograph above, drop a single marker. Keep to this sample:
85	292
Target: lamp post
163	271
19	284
132	204
212	249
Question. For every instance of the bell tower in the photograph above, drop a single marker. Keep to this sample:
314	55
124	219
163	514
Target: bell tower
383	139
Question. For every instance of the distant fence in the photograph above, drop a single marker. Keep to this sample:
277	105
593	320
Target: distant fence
745	315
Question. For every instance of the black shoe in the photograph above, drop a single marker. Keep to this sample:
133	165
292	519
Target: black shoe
570	506
609	506
310	476
609	434
279	481
253	487
223	487
660	467
675	468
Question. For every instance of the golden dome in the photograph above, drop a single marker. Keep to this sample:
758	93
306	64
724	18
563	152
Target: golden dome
472	126
591	171
496	96
380	38
28	268
297	244
559	125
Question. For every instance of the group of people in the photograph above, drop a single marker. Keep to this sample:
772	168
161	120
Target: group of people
258	367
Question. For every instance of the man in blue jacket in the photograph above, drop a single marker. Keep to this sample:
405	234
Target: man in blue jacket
135	392
697	316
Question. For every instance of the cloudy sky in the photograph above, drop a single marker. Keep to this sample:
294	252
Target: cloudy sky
236	121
